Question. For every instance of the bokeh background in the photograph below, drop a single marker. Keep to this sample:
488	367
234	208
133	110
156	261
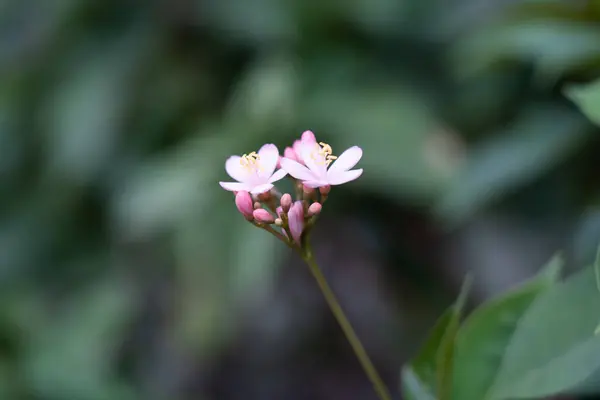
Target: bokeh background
125	270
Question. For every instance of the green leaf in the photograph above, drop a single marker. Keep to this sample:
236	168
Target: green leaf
553	349
431	370
587	98
482	341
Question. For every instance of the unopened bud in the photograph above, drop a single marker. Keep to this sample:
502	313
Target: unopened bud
325	189
314	209
243	202
296	221
257	205
278	221
279	211
262	215
307	189
286	202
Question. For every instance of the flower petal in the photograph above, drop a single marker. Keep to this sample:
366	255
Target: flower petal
315	184
309	152
269	155
261	188
296	170
234	186
309	137
235	169
344	176
278	175
346	160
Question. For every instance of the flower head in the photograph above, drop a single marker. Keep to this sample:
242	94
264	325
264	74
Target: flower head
254	173
315	170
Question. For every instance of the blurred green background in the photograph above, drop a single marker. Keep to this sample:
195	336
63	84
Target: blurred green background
127	273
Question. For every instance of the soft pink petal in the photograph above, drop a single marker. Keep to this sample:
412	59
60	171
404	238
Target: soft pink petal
296	170
344	176
315	184
234	186
346	160
261	188
278	175
309	152
235	169
269	155
296	149
309	137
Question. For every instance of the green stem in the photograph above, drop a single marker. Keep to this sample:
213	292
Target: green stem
335	307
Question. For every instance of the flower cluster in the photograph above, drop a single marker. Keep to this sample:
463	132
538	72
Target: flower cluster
313	169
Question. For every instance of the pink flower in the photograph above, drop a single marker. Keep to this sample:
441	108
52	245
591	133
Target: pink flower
316	158
254	173
244	204
296	220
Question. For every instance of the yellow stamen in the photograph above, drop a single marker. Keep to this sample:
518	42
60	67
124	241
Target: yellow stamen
324	150
251	162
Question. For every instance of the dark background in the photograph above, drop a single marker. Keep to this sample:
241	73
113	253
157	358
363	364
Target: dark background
126	271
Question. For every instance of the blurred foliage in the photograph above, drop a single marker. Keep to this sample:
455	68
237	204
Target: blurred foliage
125	269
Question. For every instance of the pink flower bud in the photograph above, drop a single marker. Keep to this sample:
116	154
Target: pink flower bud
325	189
296	221
279	211
286	202
307	189
262	215
243	202
290	153
314	209
308	136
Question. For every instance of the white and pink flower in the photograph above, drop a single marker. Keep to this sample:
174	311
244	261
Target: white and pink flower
254	173
312	164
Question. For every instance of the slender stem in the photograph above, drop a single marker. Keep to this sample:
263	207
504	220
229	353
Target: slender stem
335	307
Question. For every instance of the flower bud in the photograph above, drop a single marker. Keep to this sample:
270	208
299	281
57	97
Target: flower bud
325	189
286	202
262	215
314	209
290	153
257	205
243	202
278	221
307	189
279	211
296	221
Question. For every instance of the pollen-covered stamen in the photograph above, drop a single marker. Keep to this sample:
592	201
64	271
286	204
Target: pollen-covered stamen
251	162
323	154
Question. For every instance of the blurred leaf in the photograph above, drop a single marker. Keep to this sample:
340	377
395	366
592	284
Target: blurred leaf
72	356
484	336
86	113
430	372
587	98
553	349
513	158
554	46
